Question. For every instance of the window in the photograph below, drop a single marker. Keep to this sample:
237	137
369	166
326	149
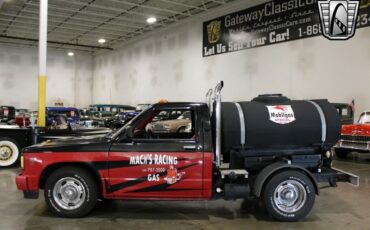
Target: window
167	124
364	118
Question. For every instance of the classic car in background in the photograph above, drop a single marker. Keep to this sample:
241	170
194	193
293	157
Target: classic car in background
87	118
164	123
7	114
124	117
346	112
110	108
19	112
355	137
102	118
71	113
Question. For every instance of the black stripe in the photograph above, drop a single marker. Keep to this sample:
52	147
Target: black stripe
162	188
116	187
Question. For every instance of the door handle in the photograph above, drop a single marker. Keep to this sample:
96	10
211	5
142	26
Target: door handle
190	147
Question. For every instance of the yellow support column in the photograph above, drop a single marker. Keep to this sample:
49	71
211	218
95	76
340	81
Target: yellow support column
42	101
43	26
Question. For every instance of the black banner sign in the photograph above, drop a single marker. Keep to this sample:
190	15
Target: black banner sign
266	24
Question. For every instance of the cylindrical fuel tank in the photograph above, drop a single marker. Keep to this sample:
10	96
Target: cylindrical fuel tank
274	121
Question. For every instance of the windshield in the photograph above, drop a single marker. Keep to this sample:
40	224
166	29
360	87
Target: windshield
364	118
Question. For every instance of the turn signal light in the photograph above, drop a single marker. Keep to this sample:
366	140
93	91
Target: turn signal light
22	162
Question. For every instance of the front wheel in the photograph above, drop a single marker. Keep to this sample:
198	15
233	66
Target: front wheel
289	196
71	192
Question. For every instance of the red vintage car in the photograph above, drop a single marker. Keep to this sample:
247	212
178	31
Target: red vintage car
355	137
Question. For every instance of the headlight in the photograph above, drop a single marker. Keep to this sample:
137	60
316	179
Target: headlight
166	126
22	162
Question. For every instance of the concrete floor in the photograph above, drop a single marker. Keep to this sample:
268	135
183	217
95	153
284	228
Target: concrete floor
344	207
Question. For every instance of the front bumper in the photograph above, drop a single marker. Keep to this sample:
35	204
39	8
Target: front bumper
23	183
353	145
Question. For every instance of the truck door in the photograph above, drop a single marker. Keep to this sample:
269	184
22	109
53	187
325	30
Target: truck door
163	159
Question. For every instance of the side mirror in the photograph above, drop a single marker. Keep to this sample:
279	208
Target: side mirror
127	134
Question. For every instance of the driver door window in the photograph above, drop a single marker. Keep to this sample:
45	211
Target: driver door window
167	124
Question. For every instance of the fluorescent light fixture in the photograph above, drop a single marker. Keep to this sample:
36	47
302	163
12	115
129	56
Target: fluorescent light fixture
101	40
151	20
71	54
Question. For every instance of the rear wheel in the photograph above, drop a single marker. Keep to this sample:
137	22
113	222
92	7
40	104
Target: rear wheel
71	192
341	153
289	196
9	152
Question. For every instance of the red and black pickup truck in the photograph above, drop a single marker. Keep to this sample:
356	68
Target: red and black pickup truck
270	148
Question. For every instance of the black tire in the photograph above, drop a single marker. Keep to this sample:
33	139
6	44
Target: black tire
78	178
286	180
341	153
10	152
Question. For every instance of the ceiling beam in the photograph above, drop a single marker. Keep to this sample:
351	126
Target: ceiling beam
56	43
59	22
150	7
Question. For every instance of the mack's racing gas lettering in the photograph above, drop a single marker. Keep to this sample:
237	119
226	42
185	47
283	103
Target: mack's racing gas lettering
281	114
157	159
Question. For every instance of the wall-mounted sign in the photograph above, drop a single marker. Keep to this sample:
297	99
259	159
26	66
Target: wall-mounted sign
269	23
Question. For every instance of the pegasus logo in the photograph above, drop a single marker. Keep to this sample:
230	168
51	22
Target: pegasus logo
338	18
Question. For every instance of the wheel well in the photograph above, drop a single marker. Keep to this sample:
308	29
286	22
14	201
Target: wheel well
266	175
51	168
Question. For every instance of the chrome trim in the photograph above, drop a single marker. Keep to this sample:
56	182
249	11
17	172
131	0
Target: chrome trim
290	196
209	100
323	121
242	124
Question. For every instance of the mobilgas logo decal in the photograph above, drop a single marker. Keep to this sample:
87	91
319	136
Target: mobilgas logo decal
281	114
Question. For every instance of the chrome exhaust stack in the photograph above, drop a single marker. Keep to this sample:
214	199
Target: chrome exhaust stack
217	99
209	100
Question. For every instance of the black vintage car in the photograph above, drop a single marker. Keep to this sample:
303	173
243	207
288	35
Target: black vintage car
7	114
13	138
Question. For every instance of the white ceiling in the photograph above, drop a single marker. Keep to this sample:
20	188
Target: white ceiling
78	24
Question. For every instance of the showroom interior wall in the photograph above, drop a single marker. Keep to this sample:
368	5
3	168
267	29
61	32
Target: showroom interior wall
69	79
168	64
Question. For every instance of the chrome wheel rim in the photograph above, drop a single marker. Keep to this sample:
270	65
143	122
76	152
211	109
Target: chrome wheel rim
5	152
9	153
290	196
69	193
